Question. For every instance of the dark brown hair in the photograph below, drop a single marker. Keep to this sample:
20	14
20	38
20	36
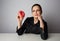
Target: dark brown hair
38	6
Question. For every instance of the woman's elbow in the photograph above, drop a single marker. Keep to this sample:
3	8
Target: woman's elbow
44	37
19	33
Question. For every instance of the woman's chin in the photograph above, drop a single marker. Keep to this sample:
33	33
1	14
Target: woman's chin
36	16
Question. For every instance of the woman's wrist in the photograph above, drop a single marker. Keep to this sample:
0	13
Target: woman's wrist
19	24
42	24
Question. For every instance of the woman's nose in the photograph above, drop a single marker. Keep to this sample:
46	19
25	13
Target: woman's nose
36	12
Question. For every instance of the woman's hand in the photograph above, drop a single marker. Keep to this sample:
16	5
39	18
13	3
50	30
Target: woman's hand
41	22
40	17
19	20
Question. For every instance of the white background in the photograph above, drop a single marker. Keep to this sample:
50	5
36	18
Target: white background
9	9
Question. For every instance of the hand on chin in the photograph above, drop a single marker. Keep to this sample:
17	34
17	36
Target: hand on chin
40	17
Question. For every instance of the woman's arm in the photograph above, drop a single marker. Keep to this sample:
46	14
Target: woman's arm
21	29
44	33
44	28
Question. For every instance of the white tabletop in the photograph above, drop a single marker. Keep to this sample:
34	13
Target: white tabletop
28	37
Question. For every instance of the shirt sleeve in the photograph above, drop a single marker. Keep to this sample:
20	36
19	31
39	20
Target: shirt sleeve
44	34
22	28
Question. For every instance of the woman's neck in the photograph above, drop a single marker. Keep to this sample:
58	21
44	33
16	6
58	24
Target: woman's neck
35	20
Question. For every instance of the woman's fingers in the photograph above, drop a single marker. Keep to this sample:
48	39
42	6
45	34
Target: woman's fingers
19	17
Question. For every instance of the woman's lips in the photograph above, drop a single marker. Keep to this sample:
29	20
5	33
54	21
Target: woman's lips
36	15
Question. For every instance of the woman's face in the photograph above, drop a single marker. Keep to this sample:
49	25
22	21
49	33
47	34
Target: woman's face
36	11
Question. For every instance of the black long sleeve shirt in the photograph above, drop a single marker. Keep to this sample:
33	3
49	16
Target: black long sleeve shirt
29	27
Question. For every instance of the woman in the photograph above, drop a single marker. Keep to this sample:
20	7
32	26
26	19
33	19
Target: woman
34	24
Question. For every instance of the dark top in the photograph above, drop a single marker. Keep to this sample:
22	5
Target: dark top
29	27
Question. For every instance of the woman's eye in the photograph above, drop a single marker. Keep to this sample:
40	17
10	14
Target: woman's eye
33	11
